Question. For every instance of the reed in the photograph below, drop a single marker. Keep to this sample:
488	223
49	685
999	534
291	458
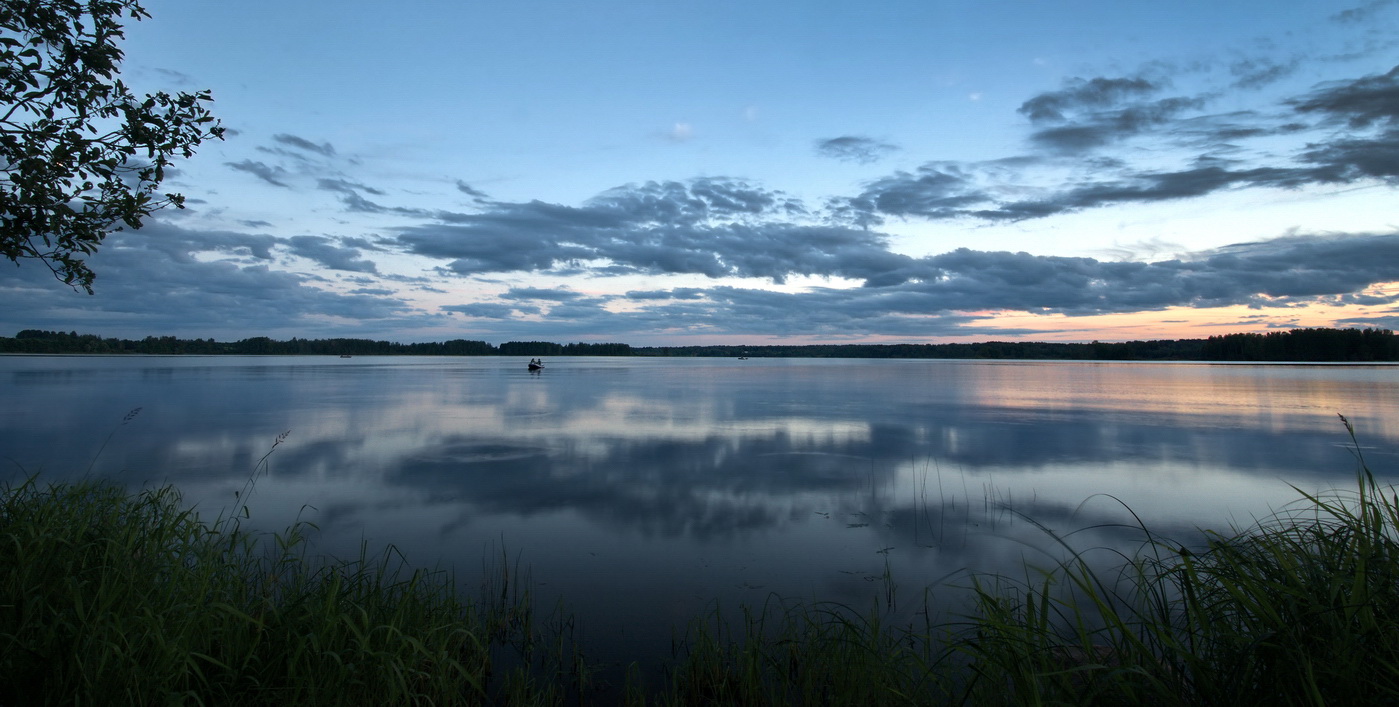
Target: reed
793	653
108	596
1302	608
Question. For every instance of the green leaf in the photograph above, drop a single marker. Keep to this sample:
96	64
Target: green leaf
59	69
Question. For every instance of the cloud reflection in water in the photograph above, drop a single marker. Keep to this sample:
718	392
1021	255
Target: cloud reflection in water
650	487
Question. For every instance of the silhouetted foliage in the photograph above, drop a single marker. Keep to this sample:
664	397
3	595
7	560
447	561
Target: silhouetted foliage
1354	345
37	341
1302	345
530	348
1167	350
82	155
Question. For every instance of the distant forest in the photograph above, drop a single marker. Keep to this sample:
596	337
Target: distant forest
1311	345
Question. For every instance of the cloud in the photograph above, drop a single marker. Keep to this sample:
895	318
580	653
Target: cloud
327	176
935	191
1093	130
1255	73
727	228
177	78
1358	103
489	310
1079	95
680	132
346	187
181	246
162	279
951	294
1369	108
711	227
350	196
538	293
850	148
678	293
941	192
721	230
1152	187
324	251
1347	161
154	278
267	173
323	149
1390	322
1355	138
583	310
362	244
301	158
1262	274
1363	13
476	194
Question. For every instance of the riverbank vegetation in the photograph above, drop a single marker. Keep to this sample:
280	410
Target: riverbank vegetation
1306	345
36	341
1300	609
111	596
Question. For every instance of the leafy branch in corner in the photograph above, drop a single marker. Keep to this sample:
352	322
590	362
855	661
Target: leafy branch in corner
82	155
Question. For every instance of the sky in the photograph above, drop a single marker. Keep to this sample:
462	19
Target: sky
764	171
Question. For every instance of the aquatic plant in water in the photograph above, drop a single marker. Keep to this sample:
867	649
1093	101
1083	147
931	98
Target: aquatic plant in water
112	596
1301	608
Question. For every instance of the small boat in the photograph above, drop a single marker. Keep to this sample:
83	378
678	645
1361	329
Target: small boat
536	366
344	355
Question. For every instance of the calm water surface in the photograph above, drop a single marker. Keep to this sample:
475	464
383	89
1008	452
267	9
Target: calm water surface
641	491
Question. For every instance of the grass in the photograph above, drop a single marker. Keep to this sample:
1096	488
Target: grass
1300	609
112	597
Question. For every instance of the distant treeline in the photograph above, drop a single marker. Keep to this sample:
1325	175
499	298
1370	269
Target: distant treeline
1314	345
57	342
1185	349
1355	345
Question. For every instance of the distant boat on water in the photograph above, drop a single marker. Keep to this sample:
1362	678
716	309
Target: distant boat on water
536	365
344	355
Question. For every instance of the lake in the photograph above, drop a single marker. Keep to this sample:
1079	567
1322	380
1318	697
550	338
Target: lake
643	491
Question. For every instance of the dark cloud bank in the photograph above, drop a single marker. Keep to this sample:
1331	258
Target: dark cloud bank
170	280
